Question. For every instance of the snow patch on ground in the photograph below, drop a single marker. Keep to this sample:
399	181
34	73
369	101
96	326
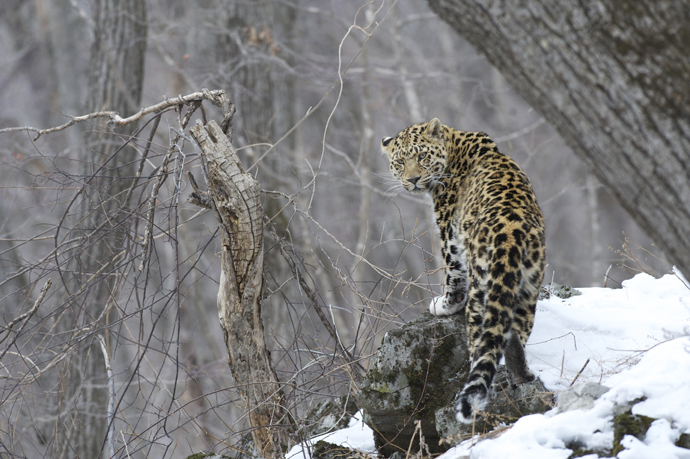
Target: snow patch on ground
356	436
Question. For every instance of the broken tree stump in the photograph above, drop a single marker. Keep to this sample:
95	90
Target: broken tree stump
234	196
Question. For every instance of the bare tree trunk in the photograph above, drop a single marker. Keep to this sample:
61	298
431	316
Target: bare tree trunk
117	56
115	83
235	197
62	30
613	78
243	50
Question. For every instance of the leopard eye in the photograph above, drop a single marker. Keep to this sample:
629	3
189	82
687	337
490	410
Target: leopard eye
400	162
421	156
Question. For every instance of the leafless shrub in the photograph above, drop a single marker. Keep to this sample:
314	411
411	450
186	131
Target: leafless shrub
164	387
637	259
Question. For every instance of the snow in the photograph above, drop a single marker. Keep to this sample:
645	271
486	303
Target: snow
356	436
611	327
636	340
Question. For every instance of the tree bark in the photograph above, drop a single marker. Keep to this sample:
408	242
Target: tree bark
234	195
116	74
613	78
116	69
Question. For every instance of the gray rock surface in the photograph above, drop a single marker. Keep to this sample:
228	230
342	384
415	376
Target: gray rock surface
419	370
579	396
558	290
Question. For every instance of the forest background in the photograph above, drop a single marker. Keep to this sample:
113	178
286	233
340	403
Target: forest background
316	85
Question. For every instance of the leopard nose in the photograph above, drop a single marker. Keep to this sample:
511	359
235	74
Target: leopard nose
414	180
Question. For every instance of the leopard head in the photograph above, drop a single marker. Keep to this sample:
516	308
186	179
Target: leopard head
417	155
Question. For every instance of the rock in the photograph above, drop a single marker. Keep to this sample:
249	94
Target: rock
579	396
555	289
684	441
419	370
625	407
637	425
629	424
331	415
508	404
325	450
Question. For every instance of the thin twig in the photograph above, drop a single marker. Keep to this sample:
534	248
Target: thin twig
111	396
26	316
144	157
521	132
161	175
606	275
580	372
284	247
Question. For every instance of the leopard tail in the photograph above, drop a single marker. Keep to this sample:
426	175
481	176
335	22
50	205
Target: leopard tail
489	325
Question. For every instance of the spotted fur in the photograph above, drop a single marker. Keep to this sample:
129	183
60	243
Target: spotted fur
492	241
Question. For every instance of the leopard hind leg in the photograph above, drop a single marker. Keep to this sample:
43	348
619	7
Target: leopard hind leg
516	362
523	320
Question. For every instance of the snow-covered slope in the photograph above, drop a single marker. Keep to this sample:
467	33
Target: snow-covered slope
611	327
636	340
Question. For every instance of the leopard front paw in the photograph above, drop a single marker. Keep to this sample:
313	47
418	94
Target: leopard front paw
441	306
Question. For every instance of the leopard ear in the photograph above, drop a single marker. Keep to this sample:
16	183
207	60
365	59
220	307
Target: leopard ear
434	130
384	145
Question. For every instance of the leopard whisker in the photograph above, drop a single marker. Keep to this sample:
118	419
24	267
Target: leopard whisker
387	178
394	191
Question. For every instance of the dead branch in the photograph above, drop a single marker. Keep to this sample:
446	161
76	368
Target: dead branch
216	97
111	395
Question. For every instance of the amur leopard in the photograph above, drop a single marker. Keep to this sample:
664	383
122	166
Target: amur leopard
492	242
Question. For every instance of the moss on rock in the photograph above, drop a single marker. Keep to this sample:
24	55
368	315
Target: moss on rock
629	424
325	450
683	441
